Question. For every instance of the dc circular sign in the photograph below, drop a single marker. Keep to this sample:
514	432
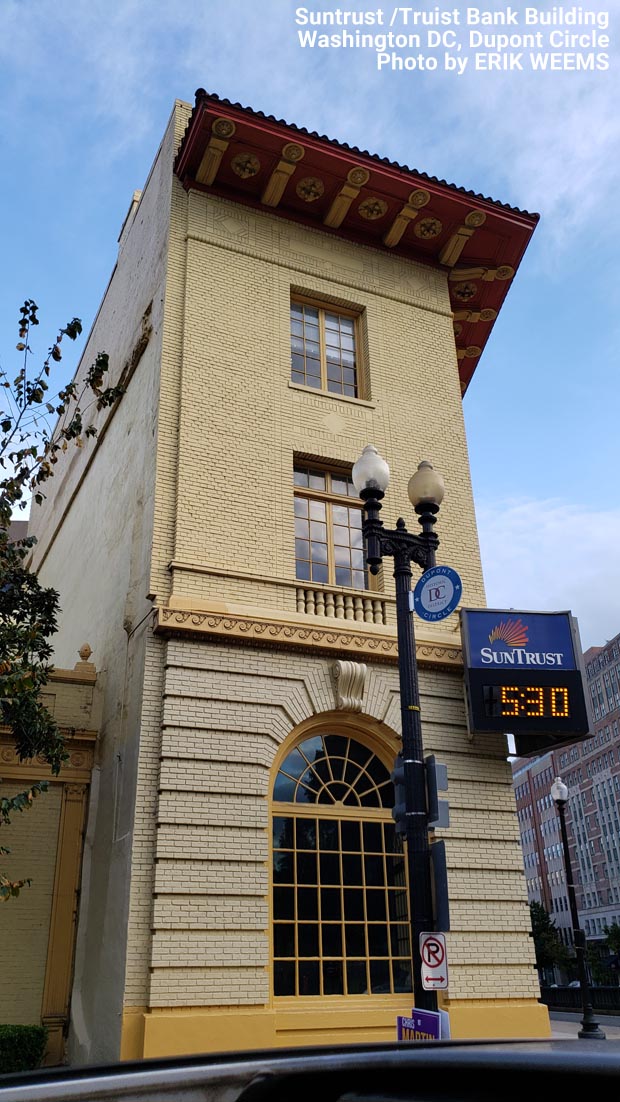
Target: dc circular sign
437	593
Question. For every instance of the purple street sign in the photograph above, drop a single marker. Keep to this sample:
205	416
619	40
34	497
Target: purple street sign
423	1025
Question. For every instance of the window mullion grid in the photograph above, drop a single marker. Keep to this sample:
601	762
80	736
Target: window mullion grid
360	384
345	980
365	901
330	501
322	349
331	554
386	902
319	908
297	919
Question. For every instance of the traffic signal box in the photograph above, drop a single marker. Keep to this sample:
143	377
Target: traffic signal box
438	815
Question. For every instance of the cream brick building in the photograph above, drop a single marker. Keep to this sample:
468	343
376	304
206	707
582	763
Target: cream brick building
279	301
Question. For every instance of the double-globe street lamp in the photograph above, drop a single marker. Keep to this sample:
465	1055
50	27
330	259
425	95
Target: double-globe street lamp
589	1026
371	476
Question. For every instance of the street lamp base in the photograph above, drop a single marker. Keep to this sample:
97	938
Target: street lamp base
591	1031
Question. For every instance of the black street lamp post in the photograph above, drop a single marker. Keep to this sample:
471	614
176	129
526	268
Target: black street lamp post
426	490
589	1026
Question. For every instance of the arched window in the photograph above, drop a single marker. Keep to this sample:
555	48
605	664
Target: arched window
340	902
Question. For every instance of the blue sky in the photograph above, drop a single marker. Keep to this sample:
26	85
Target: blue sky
85	92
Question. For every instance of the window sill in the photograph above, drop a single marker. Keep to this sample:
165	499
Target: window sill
329	394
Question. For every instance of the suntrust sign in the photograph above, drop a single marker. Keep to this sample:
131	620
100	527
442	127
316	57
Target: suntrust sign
520	639
523	676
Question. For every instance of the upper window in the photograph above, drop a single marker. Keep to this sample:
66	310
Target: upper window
329	545
323	349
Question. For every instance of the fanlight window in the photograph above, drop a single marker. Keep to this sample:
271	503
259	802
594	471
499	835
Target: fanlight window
340	902
328	769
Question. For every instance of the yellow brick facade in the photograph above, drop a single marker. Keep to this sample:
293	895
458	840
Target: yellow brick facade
236	387
239	658
226	711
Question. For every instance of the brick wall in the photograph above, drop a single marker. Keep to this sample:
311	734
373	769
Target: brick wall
226	712
230	422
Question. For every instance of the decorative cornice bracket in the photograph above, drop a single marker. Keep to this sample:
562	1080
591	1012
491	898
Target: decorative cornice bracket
411	209
454	247
221	133
292	154
356	178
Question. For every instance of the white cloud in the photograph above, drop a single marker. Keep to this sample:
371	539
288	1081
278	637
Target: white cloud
541	140
553	555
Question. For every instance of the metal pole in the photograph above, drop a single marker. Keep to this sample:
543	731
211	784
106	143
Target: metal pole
418	850
405	547
589	1026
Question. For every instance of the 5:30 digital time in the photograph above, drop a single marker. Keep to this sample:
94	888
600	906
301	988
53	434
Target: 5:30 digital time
535	701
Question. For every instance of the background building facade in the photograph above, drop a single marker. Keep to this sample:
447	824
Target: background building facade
279	301
37	935
591	770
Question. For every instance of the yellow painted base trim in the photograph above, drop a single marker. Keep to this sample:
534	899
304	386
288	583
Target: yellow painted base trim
132	1034
183	1031
497	1019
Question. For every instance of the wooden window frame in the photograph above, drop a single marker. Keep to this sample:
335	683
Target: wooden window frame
391	891
329	497
358	340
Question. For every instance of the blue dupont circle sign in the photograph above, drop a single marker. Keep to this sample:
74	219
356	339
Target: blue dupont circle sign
437	593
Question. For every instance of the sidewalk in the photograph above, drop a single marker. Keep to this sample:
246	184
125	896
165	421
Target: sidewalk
566	1024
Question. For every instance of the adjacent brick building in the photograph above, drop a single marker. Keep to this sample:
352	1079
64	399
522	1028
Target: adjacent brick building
37	930
279	301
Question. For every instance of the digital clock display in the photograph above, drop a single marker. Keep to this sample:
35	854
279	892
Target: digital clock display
533	701
539	710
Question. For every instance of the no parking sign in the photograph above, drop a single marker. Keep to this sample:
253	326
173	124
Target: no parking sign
434	961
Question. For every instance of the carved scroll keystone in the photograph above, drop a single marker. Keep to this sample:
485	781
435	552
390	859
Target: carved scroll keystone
350	679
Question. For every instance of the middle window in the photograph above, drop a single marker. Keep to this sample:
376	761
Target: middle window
329	545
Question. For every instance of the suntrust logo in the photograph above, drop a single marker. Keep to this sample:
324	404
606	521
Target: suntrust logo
514	634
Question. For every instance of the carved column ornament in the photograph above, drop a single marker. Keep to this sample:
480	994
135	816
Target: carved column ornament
221	133
350	679
487	275
455	245
292	153
356	178
469	353
488	314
